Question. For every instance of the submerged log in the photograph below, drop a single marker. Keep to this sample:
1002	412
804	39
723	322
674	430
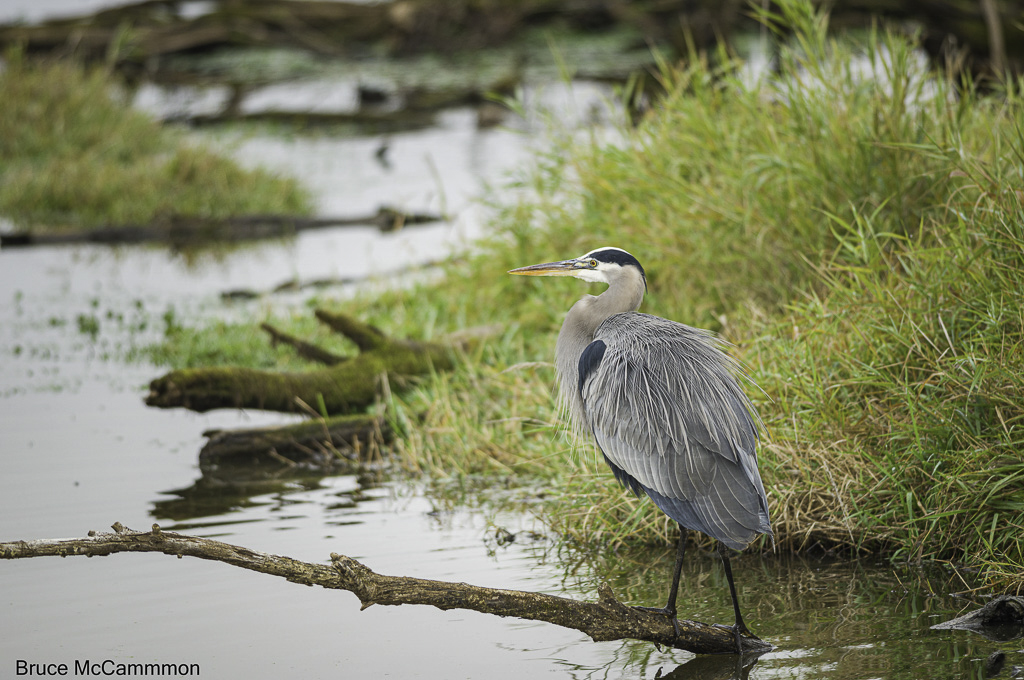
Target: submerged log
405	119
342	388
606	619
1001	618
154	28
292	285
320	443
186	232
134	36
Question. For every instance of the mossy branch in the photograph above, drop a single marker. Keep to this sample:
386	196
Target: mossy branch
344	387
304	349
606	619
366	337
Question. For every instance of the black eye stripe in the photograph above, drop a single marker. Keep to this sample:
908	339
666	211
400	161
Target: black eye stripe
613	256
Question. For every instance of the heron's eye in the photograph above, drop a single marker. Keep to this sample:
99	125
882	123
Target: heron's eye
593	264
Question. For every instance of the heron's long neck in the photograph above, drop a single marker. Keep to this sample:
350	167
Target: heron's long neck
624	294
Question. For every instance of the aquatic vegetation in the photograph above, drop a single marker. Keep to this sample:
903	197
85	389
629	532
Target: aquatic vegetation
75	155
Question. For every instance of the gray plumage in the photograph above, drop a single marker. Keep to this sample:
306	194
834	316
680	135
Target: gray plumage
663	403
665	408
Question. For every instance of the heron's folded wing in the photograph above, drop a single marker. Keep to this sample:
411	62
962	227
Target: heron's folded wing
666	409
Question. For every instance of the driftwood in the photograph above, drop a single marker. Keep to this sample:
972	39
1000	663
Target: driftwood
379	121
606	619
403	109
183	232
154	28
1001	618
342	388
294	284
134	36
320	444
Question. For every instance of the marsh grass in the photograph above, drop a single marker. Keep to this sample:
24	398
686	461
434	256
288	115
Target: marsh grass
853	222
76	155
920	382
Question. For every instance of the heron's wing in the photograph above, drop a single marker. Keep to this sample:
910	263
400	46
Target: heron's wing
664	406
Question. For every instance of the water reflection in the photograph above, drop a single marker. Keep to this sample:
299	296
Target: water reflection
726	667
212	495
829	617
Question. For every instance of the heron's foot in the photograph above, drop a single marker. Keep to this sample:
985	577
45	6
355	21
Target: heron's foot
666	611
739	631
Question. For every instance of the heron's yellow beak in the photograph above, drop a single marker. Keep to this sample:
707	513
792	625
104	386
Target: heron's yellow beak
563	268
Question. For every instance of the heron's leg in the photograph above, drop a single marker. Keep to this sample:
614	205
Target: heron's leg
670	607
739	628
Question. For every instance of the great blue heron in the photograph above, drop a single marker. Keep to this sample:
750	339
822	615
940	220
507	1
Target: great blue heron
663	403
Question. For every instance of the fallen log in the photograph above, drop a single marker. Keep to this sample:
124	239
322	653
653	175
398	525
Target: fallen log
135	36
1001	618
155	28
293	285
184	231
401	120
320	444
414	107
606	619
346	387
325	27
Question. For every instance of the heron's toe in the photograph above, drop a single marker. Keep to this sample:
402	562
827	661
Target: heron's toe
670	612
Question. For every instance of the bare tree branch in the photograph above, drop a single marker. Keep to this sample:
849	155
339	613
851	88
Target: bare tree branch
606	619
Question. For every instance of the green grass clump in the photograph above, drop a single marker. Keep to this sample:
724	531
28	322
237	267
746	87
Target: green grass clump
907	376
224	344
853	222
76	156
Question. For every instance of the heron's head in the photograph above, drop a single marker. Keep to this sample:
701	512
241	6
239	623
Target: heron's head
603	265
